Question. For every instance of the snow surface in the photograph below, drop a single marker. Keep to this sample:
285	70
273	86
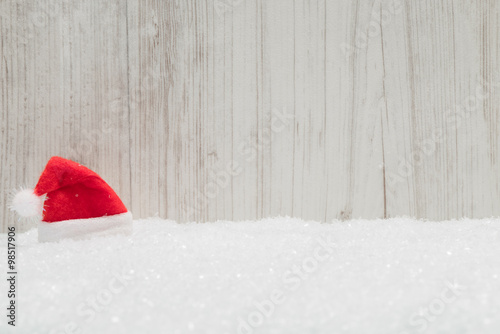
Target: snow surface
277	275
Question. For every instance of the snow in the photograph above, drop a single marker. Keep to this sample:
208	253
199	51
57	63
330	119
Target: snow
278	275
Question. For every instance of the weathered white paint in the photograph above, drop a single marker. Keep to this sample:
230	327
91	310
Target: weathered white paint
319	105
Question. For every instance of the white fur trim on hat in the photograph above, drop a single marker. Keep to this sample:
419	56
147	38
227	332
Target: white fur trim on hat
78	229
27	204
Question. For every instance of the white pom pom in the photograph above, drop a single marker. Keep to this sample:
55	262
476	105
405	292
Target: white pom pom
27	204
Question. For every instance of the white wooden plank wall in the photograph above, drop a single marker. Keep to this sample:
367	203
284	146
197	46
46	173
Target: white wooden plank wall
242	109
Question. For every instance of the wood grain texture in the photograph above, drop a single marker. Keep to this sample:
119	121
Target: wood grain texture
242	109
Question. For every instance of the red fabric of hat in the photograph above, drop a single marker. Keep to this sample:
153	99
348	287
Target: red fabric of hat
75	192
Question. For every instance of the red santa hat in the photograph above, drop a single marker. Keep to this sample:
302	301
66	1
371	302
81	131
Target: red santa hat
72	202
